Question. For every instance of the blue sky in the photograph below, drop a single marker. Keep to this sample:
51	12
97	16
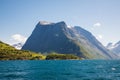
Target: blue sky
19	17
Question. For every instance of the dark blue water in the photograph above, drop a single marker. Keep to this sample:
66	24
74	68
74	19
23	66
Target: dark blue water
60	70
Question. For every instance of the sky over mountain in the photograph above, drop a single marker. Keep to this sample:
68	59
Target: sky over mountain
19	17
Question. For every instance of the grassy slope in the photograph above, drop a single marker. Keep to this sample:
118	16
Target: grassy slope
88	53
56	56
8	52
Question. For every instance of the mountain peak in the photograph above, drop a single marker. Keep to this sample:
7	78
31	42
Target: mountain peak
61	22
115	48
118	43
49	23
110	46
57	37
44	23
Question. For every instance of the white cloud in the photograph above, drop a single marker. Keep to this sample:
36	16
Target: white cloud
97	24
99	36
69	26
19	38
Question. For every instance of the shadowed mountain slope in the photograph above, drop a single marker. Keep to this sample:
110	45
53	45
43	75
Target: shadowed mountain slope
57	37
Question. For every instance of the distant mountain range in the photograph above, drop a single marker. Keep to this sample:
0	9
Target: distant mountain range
58	37
18	45
115	48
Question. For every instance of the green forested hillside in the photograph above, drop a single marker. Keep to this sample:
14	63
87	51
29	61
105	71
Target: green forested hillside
56	56
10	53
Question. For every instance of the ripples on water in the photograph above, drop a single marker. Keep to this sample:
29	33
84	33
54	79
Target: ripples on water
60	70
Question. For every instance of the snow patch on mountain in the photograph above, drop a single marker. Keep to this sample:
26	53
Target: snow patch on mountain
115	48
45	23
18	45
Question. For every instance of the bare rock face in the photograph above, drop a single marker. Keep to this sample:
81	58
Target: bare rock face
57	37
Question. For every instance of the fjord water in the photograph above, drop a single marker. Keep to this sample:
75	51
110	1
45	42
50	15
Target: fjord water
60	70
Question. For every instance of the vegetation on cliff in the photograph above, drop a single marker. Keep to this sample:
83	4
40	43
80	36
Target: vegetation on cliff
8	52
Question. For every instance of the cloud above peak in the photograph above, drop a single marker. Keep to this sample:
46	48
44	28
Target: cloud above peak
69	26
99	36
19	38
97	24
